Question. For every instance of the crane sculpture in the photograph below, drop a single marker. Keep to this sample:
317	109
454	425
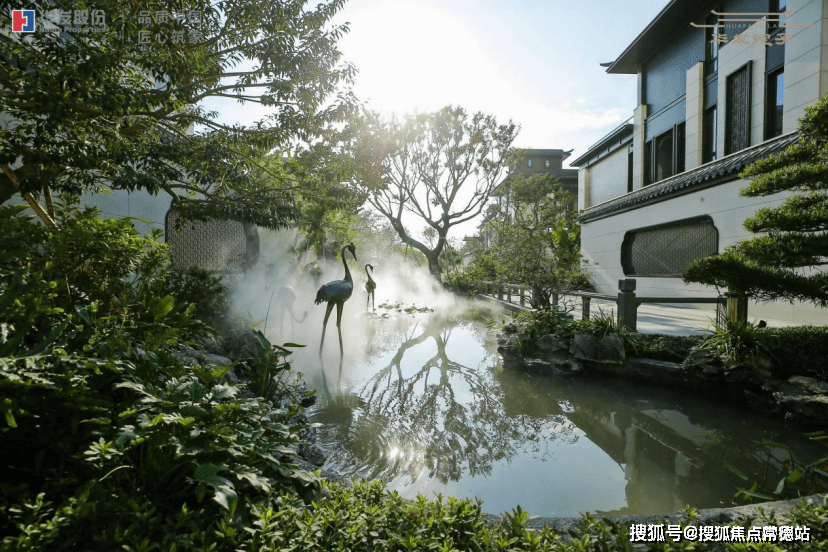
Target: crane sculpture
370	286
336	293
285	297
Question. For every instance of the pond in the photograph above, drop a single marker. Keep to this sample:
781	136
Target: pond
422	402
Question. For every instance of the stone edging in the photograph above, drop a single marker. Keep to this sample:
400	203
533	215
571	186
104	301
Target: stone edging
713	516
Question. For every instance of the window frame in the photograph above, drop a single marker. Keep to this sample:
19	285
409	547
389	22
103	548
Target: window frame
729	115
711	46
710	143
770	103
677	136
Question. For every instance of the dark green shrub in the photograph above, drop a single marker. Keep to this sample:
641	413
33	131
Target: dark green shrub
674	348
537	323
464	283
803	349
198	287
737	342
97	407
604	323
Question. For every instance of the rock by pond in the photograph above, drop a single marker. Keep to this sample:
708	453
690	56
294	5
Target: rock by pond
798	399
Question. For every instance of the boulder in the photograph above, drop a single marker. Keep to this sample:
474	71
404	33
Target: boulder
552	344
512	357
210	359
805	398
605	350
313	454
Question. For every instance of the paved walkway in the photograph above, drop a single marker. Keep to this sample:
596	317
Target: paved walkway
662	319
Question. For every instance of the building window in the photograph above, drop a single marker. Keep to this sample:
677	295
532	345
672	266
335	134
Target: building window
775	92
529	163
737	121
776	7
648	163
665	251
711	39
630	172
709	135
664	156
547	163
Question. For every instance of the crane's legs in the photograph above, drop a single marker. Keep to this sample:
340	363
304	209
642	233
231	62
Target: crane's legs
339	327
324	325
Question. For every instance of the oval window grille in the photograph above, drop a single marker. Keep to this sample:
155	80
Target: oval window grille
219	246
664	251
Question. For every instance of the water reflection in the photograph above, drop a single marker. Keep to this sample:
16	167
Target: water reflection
426	411
428	408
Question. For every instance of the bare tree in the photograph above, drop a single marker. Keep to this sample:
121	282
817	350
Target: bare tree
439	167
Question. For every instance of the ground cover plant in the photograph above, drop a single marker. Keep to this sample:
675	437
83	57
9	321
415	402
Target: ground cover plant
109	435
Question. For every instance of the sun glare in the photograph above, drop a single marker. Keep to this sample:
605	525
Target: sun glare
415	57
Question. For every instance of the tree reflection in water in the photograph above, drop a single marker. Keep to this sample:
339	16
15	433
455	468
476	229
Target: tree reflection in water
442	419
431	412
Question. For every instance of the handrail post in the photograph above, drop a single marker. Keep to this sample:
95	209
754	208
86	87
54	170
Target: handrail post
500	291
627	305
737	306
522	296
508	293
554	298
585	308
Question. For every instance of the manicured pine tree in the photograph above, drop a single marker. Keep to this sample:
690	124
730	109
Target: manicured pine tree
785	260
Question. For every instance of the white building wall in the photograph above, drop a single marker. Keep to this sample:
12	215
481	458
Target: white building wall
639	127
583	189
694	108
139	204
601	244
608	177
805	66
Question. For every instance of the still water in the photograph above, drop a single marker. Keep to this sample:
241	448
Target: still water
422	403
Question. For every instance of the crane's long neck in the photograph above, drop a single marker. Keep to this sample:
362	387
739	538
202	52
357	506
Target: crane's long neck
368	273
344	262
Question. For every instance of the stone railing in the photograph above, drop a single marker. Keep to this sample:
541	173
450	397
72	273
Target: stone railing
733	306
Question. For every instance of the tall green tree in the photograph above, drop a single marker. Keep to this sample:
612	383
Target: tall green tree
535	239
786	261
436	168
124	108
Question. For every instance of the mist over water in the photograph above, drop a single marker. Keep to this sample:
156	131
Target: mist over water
399	282
420	400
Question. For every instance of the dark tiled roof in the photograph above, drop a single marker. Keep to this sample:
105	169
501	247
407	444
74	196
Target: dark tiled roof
660	30
715	172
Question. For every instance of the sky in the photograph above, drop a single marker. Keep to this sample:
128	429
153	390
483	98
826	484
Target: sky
534	62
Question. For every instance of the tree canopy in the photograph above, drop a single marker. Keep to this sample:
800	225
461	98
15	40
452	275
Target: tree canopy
786	260
534	237
123	108
438	167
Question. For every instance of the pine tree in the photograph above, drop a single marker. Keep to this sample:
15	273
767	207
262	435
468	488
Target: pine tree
785	261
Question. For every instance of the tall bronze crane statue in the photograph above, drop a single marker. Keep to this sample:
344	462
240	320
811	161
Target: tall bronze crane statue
370	286
336	293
